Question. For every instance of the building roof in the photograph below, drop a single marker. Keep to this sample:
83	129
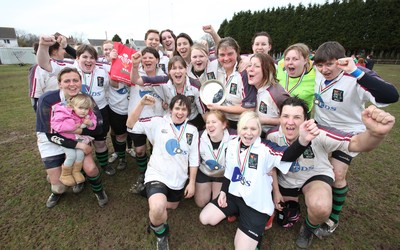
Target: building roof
139	43
7	33
96	42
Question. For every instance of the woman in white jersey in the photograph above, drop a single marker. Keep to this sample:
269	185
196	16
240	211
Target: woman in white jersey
175	83
95	81
213	143
175	156
201	68
240	96
149	67
270	95
247	186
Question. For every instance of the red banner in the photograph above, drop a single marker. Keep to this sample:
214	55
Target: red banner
122	65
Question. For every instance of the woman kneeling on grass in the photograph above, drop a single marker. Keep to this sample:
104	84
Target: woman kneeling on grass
175	150
247	187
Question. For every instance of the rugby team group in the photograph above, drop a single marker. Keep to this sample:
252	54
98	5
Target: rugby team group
276	130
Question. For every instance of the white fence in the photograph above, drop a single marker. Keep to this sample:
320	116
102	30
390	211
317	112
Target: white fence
17	55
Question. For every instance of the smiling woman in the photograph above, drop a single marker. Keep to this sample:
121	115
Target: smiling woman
297	74
175	144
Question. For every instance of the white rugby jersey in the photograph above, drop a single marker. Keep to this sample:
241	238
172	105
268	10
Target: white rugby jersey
41	81
237	91
173	150
269	99
315	159
340	103
164	86
93	84
136	93
118	98
164	60
248	173
210	73
212	161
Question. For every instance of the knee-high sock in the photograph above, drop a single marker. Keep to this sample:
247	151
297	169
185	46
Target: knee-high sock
95	183
339	197
141	161
310	226
119	148
102	158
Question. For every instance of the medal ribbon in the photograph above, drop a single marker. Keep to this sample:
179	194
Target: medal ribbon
322	90
183	89
229	80
88	90
181	134
216	157
296	85
246	158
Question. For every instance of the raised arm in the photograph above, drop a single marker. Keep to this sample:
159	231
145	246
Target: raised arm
133	117
43	57
135	77
62	40
378	124
382	91
210	30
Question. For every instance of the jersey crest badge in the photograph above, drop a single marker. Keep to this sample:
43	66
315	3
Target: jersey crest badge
189	138
263	107
337	95
253	161
210	76
308	153
233	89
100	81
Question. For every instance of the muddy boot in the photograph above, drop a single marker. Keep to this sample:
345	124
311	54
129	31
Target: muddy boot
76	172
66	176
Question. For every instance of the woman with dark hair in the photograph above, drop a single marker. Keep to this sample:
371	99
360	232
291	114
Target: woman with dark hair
175	155
182	47
177	82
168	38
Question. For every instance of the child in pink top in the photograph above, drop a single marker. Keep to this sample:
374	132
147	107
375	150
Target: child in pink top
77	113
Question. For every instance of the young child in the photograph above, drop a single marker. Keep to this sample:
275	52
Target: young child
76	113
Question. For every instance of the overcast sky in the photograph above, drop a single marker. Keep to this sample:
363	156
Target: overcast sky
127	18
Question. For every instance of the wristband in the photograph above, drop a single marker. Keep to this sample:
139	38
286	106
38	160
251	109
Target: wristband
357	73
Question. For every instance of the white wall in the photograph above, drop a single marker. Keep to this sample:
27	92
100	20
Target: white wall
8	43
17	55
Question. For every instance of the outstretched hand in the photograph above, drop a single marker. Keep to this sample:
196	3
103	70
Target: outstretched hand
308	131
377	121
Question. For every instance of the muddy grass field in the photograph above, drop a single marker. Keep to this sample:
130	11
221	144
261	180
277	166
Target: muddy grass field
370	219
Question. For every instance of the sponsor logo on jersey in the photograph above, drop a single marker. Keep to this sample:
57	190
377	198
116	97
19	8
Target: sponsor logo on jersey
296	167
237	176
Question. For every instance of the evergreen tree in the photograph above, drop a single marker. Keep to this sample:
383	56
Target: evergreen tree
116	38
